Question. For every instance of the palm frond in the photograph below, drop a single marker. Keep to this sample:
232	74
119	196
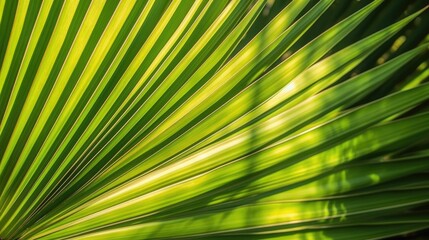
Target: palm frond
213	119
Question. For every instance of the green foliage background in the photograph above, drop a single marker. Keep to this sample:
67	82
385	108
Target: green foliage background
213	119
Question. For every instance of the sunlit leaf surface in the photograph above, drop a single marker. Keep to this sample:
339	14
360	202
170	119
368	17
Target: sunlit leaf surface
213	119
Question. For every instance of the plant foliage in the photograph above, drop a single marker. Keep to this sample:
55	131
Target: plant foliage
213	119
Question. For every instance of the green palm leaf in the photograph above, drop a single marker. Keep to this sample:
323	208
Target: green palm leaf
213	119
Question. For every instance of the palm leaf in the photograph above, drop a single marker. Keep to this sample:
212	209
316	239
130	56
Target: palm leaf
213	119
